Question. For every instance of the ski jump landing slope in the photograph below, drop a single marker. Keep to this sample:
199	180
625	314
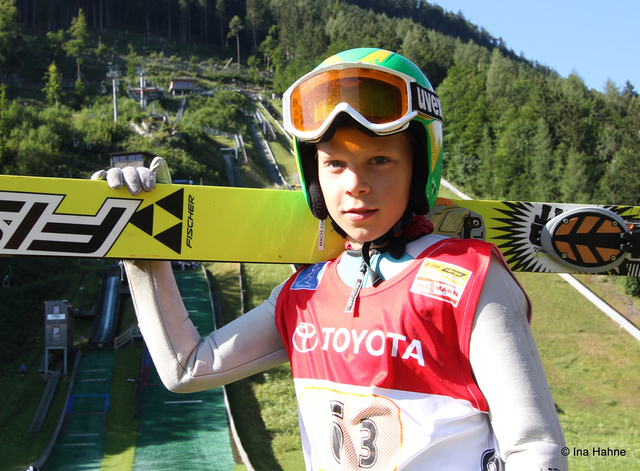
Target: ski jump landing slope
109	304
184	431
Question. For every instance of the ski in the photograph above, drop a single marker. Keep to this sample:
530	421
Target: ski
549	237
83	218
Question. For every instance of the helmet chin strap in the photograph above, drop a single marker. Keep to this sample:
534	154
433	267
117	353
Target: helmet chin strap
395	241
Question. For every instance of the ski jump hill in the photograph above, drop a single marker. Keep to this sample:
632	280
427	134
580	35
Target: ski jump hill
106	323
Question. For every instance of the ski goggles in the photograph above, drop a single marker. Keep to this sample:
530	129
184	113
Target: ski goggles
380	99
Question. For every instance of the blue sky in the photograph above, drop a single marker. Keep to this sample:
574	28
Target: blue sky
597	39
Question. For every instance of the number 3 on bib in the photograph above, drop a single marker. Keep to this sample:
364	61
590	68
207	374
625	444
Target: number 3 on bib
350	432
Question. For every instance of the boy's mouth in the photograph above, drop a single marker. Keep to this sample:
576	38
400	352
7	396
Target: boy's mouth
358	214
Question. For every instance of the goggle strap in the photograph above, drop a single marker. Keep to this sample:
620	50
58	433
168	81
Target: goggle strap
425	101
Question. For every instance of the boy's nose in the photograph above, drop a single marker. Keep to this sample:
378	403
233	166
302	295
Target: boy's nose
355	183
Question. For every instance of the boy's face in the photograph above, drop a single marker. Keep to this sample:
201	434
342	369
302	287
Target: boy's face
365	181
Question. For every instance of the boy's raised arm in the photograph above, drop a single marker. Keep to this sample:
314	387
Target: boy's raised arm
186	362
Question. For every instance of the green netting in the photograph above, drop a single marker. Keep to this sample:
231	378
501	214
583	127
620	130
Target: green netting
80	444
184	431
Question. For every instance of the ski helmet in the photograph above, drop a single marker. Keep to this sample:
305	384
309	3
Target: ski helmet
379	92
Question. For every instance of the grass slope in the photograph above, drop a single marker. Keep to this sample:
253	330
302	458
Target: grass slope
593	369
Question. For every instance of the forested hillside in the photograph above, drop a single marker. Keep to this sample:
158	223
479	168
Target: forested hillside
514	129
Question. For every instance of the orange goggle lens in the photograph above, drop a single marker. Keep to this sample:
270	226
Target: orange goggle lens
378	96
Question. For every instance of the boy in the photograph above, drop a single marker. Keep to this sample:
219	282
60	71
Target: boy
409	351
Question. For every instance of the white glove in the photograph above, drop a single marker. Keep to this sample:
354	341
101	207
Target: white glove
136	179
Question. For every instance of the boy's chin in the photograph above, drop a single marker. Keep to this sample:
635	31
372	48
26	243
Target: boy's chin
357	243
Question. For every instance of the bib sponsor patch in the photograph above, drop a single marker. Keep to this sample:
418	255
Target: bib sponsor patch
310	277
441	281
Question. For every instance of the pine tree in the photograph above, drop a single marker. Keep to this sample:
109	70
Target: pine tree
542	164
629	89
8	28
4	122
53	87
78	45
620	185
78	94
574	185
270	48
256	12
485	183
234	30
220	10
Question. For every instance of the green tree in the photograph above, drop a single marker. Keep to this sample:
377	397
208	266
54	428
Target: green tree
500	77
253	63
613	97
256	12
513	158
463	98
53	87
56	43
234	30
4	123
78	45
270	48
78	94
621	185
220	11
439	56
8	28
133	62
542	164
629	89
484	185
415	45
575	182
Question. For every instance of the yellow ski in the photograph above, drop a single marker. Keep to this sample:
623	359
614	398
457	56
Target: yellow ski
84	218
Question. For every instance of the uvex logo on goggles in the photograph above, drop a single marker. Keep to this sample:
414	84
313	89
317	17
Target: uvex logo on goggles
425	101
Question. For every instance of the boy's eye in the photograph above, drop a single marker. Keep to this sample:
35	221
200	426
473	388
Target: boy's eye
379	160
335	164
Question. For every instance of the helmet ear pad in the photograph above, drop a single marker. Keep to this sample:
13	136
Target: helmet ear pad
309	163
418	193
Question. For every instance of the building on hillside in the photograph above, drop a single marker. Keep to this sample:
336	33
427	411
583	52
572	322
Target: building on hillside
130	159
183	85
146	93
58	323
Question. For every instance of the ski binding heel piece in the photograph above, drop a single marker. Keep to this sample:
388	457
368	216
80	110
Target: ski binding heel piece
588	239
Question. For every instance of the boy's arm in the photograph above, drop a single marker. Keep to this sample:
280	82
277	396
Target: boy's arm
184	361
508	370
